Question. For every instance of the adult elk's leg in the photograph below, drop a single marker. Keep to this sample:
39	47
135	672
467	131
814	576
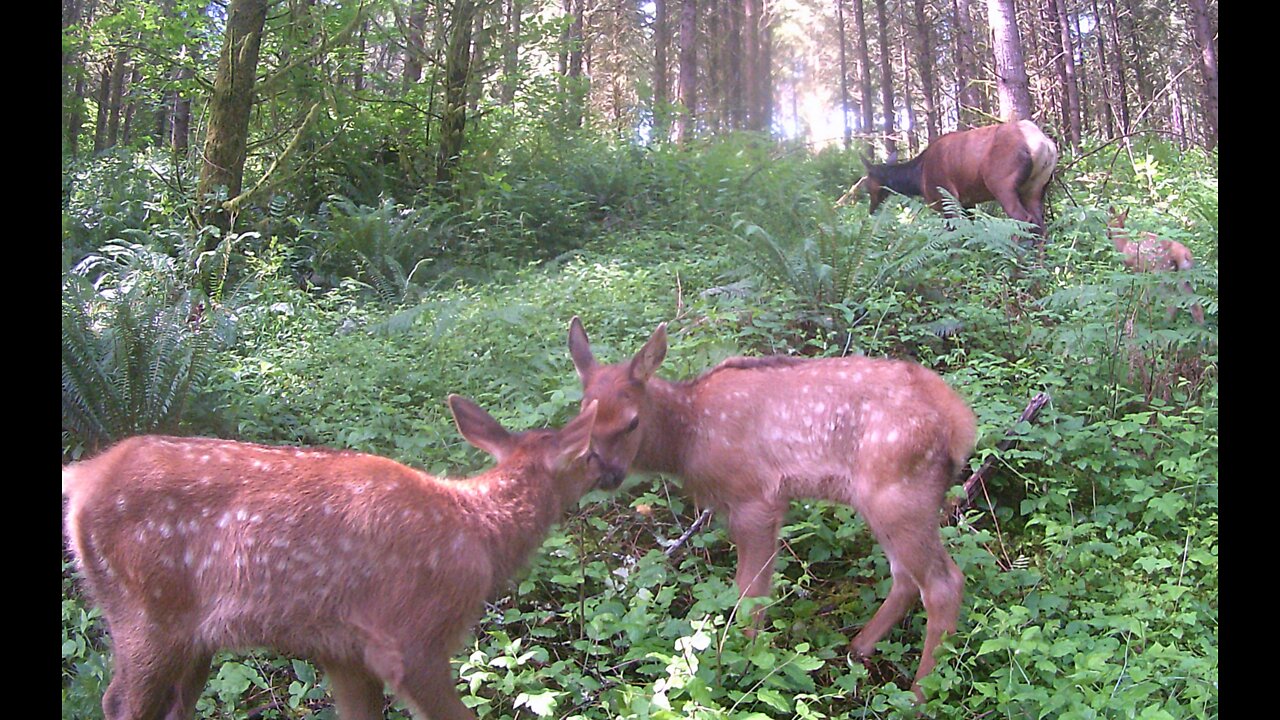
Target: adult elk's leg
753	528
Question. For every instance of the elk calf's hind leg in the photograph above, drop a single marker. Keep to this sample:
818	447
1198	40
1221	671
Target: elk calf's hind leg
429	688
907	530
356	693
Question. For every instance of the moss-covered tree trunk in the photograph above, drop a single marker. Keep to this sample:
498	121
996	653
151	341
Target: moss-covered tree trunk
231	105
453	117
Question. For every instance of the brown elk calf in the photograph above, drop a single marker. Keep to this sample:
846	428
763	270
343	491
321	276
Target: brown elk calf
885	437
1153	255
373	569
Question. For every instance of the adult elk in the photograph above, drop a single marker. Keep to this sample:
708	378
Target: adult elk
885	437
1011	163
373	569
1152	254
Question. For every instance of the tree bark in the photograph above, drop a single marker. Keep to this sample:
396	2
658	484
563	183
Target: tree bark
764	71
886	82
511	53
970	99
688	80
737	92
1011	71
104	99
924	53
913	137
115	98
231	105
1067	75
1203	36
413	40
453	117
844	74
1104	83
1119	66
1083	76
866	111
661	81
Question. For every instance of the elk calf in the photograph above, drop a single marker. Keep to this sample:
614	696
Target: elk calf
1153	255
885	437
373	569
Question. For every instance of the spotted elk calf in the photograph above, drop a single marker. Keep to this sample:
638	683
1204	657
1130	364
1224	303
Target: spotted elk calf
751	434
1153	255
373	569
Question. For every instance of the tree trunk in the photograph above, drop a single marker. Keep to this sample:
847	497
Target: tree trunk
913	136
737	89
1119	66
1082	75
131	107
886	82
1011	71
358	81
844	74
1203	36
511	53
866	112
104	99
231	105
413	40
180	115
764	71
1067	75
688	80
1175	101
1104	84
457	71
661	82
924	52
115	98
970	98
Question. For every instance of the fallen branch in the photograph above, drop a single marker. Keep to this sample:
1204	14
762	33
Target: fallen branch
851	194
979	478
695	527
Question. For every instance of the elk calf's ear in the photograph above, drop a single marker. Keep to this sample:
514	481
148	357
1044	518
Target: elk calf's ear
646	362
574	439
580	350
480	429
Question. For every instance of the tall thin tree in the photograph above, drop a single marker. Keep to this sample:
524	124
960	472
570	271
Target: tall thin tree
688	78
1011	71
1204	38
886	81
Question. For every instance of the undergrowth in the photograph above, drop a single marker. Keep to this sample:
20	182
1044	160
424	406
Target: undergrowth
1090	555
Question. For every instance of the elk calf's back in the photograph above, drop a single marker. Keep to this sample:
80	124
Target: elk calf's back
885	437
371	568
1153	254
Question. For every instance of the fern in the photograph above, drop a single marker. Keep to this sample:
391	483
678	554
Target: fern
133	344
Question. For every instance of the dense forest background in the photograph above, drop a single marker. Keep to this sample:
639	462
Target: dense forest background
307	222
